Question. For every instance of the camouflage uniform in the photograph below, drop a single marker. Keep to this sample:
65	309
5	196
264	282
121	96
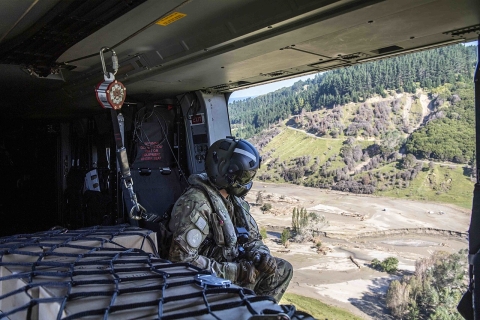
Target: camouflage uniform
204	235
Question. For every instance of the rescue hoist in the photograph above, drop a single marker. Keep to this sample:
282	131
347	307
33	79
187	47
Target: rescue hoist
111	95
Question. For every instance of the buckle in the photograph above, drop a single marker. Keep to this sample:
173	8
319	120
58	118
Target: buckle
144	171
207	280
165	171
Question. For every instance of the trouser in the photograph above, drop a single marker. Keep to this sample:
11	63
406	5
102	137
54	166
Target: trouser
275	284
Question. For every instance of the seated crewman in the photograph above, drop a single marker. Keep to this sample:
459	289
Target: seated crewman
213	229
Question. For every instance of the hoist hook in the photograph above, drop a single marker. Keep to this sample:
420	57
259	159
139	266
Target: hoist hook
114	62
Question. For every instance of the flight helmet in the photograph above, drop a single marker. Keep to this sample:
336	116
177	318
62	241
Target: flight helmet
232	164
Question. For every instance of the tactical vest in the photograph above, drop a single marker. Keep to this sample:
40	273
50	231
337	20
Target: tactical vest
222	225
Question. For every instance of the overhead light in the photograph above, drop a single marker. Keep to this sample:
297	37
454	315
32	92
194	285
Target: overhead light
435	45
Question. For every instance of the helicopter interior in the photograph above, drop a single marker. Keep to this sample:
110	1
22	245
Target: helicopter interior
179	61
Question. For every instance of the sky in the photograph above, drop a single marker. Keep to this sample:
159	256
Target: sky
266	88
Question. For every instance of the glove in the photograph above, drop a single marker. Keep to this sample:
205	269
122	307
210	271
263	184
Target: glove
264	262
246	272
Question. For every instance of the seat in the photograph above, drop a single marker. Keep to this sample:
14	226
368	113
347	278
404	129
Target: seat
158	179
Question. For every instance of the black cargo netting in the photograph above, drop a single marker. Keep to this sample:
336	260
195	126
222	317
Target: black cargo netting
115	271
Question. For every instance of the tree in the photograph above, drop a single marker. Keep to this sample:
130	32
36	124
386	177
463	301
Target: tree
316	222
295	225
303	218
434	291
398	298
409	161
305	224
285	236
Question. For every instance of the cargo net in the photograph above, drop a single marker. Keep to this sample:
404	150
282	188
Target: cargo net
115	272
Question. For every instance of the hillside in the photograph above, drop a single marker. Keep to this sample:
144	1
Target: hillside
429	94
296	157
385	165
401	127
423	70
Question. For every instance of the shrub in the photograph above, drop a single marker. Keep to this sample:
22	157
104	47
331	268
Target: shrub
317	241
389	264
263	233
375	263
285	236
266	207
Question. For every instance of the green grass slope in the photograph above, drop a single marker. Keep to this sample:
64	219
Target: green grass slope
290	144
317	309
447	183
443	183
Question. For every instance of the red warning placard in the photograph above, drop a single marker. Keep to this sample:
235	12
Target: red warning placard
151	151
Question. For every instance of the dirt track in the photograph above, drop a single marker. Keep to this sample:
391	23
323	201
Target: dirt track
333	278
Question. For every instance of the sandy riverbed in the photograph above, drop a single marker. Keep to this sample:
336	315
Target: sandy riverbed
333	278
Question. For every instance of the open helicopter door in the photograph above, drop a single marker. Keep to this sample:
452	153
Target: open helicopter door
469	306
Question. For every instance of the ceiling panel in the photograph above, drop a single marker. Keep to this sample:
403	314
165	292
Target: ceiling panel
221	45
395	27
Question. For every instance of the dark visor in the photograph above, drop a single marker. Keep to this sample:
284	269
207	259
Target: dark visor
244	176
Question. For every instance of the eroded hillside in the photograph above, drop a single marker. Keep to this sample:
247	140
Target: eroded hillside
361	148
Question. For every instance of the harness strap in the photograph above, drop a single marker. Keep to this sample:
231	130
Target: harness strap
125	168
227	229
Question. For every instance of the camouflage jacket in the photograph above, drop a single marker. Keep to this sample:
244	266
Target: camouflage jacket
203	225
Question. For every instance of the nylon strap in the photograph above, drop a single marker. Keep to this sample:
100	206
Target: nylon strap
121	151
125	168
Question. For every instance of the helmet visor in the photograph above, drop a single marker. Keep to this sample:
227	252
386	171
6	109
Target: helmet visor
244	176
239	190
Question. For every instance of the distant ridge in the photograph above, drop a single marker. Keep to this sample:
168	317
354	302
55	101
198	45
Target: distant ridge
407	73
231	100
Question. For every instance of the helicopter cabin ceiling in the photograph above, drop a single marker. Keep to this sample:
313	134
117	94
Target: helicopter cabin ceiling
50	62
